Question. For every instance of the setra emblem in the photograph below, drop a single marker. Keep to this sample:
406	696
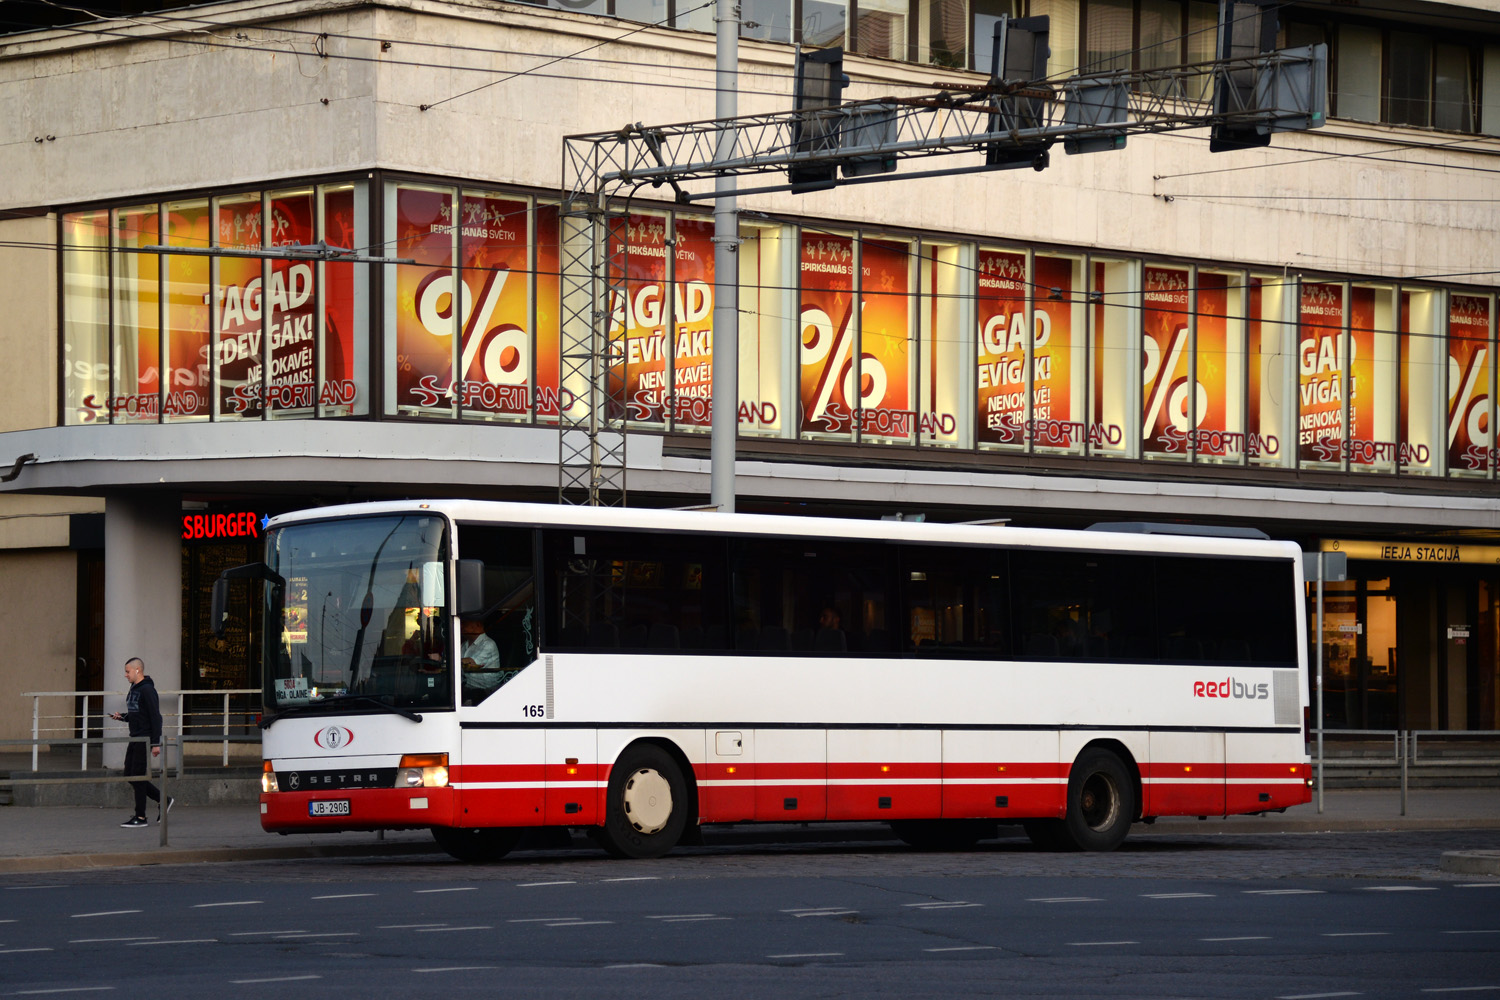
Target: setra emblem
333	738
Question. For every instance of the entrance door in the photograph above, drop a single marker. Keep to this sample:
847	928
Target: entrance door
1359	654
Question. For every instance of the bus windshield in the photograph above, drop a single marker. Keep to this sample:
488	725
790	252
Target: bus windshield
361	618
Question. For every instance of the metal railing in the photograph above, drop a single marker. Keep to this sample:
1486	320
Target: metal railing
166	769
1404	751
172	720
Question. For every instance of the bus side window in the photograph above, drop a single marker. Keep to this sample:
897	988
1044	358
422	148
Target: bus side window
509	614
955	607
1085	606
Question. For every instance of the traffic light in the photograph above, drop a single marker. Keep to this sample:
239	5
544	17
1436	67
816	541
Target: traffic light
818	87
1019	57
1246	28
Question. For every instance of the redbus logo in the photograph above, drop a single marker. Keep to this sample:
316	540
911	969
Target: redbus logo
1230	688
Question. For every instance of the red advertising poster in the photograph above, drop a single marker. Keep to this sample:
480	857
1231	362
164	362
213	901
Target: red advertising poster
427	300
548	306
1053	421
1321	369
1218	374
885	407
643	316
693	318
1001	314
495	343
1166	399
339	393
1471	432
291	321
187	314
826	309
238	332
1364	451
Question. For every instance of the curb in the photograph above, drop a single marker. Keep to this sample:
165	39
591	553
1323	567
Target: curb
190	856
1471	862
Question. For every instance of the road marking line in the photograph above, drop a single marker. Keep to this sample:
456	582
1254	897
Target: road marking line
105	913
1097	944
1178	895
21	951
636	965
64	989
237	902
295	935
289	930
1478	885
811	954
539	920
956	905
580	923
461	888
1251	937
1472	932
966	947
1399	888
532	885
1284	892
1461	989
275	979
694	920
1358	934
405	927
439	930
18	888
1317	996
109	940
139	944
1066	899
456	968
676	916
821	913
346	895
634	878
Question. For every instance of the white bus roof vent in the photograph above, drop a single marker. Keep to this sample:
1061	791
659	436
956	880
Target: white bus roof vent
1201	530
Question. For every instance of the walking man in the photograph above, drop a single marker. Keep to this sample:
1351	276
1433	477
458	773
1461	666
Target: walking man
143	712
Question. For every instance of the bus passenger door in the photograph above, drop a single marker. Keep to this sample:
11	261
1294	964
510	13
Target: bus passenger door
791	775
1186	775
500	781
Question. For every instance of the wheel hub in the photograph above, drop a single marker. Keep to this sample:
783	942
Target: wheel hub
648	800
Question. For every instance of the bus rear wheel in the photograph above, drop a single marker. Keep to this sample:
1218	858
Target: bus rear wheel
476	845
647	804
943	834
1101	802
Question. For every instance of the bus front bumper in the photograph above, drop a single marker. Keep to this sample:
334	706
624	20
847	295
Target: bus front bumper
333	810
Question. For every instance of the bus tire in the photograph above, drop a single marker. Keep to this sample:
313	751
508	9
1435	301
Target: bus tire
943	834
1101	802
646	807
476	846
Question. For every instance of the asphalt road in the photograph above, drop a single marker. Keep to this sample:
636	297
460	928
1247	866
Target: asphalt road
1331	915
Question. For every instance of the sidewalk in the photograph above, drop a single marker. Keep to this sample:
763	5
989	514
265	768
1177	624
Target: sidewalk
53	838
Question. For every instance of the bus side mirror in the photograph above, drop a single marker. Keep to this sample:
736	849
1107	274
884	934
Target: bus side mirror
218	613
470	598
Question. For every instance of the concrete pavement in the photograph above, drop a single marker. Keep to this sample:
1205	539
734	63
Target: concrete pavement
54	838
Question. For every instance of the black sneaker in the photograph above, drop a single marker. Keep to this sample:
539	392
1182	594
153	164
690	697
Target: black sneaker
135	821
171	801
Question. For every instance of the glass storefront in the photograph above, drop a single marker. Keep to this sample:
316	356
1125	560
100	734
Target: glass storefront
847	335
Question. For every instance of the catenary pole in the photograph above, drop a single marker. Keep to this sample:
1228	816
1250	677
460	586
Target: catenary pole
726	335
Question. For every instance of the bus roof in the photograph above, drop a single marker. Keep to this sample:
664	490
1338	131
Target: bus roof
711	522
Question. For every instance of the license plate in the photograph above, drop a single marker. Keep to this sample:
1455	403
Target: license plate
336	807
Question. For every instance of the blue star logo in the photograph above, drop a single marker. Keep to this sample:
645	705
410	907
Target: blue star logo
265	519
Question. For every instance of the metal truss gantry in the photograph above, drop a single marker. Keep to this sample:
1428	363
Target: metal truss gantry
1013	126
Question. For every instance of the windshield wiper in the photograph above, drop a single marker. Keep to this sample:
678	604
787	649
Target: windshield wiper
341	699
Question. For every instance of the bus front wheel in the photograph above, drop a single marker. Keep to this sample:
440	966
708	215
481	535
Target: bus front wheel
476	846
1101	802
646	809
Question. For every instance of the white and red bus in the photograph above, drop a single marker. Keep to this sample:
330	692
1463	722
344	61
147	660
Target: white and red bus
481	668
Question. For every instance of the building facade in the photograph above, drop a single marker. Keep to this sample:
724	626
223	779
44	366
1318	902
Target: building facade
1299	338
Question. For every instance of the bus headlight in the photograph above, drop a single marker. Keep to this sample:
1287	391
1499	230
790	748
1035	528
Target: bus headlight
423	770
268	778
